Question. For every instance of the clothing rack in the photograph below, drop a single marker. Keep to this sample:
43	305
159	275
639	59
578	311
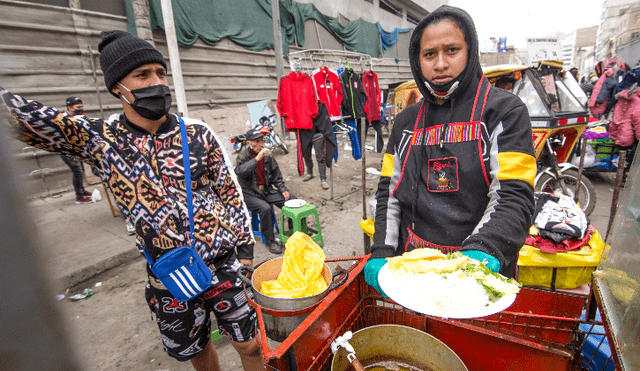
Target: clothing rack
309	60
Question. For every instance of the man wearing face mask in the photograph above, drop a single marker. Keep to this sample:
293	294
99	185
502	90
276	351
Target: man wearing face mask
139	157
76	108
459	167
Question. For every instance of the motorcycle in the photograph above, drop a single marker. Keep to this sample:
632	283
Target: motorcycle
556	106
272	140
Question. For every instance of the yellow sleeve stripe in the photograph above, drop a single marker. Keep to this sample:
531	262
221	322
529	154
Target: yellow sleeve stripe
517	165
387	165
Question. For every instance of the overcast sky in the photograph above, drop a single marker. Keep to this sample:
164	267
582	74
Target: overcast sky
518	19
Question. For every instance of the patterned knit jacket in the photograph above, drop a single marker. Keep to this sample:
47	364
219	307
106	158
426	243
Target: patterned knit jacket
145	173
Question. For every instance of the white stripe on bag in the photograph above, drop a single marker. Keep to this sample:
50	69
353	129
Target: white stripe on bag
193	281
177	282
185	282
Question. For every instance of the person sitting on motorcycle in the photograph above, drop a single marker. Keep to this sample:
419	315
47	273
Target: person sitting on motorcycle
505	83
459	168
262	184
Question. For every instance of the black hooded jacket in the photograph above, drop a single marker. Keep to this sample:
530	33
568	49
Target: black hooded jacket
355	98
457	176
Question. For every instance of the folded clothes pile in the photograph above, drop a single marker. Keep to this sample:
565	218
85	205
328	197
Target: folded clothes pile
562	225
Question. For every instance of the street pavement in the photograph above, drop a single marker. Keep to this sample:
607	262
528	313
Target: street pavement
80	241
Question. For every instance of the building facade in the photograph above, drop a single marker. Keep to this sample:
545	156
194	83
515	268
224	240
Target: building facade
614	12
584	50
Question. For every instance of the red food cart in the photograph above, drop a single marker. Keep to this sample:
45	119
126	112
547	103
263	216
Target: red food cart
540	331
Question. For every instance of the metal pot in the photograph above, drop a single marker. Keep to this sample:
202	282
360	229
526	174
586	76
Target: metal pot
278	328
401	344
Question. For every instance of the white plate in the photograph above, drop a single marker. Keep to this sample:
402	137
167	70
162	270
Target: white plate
388	283
295	203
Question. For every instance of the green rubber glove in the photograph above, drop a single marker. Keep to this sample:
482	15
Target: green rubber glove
371	272
488	260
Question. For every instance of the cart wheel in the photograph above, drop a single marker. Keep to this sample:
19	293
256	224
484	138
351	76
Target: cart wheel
323	203
368	193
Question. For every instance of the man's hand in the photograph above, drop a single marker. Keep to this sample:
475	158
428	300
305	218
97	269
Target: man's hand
263	152
286	195
7	98
248	262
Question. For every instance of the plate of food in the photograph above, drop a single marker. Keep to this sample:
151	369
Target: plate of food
448	286
295	203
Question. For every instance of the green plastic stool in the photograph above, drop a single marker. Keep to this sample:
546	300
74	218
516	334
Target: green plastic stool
298	215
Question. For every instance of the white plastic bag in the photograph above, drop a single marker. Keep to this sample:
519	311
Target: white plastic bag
589	157
96	196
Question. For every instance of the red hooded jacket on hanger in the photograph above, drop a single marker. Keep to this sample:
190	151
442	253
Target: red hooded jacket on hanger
297	101
329	90
372	88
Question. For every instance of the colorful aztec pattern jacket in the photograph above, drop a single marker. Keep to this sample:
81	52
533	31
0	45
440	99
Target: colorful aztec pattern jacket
145	174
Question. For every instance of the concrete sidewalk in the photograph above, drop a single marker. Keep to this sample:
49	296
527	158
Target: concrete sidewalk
79	241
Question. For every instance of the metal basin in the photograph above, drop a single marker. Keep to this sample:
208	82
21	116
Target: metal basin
278	328
399	344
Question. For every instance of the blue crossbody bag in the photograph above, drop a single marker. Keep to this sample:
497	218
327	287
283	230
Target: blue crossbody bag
181	270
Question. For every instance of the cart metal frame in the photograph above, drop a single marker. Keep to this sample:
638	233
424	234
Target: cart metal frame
540	331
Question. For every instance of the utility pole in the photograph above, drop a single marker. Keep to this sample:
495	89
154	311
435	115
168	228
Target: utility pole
277	37
277	45
174	56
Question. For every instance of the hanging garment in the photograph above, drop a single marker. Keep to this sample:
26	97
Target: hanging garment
372	89
597	102
629	78
625	126
321	124
297	101
355	97
379	142
355	138
328	90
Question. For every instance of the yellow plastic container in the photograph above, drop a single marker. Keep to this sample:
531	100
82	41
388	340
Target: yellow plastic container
573	268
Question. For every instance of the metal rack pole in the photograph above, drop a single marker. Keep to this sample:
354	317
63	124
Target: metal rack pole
367	240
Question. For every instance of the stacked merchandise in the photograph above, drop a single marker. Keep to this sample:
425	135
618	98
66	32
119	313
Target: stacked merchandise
561	240
602	152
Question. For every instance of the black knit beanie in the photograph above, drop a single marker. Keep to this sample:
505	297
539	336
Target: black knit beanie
121	53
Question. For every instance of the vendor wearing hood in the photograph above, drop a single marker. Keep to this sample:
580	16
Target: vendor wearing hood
459	169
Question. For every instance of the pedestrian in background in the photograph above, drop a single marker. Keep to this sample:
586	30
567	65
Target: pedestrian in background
76	108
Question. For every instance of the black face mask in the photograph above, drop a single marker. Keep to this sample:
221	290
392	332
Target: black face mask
152	102
77	112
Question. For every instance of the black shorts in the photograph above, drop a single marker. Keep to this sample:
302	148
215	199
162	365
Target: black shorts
185	327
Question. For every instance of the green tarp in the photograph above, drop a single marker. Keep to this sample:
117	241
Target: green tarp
249	24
